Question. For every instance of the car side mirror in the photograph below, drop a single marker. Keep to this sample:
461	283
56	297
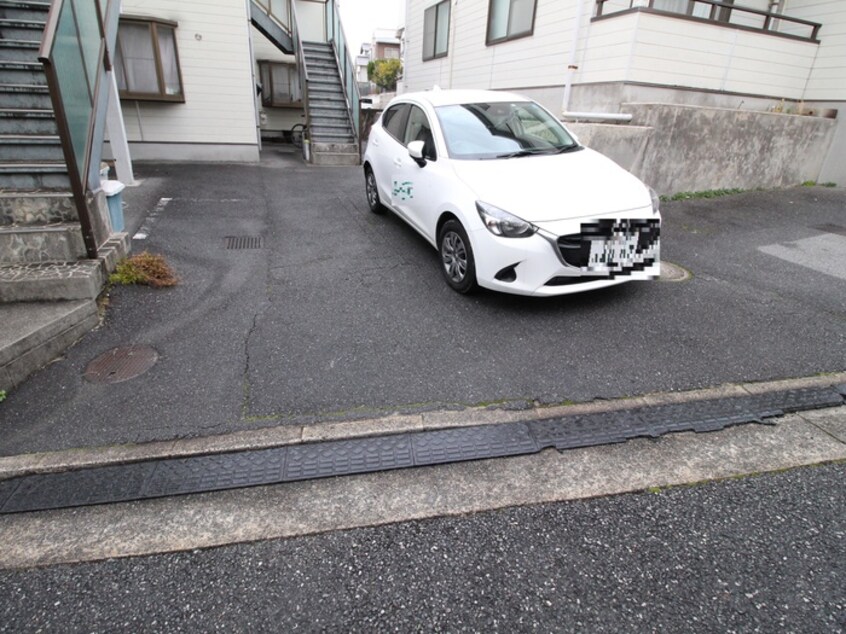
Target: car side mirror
415	151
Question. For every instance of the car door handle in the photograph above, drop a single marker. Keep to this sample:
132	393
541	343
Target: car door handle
398	162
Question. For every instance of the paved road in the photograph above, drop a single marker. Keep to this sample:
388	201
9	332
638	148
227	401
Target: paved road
762	554
343	314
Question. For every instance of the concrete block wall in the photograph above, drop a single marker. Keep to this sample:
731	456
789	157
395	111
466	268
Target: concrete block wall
677	148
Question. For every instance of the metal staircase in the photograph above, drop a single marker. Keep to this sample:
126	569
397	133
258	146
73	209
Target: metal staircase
331	132
56	246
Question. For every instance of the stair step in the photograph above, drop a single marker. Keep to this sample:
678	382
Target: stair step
339	118
82	279
30	148
24	121
31	176
23	244
37	208
22	10
335	159
331	139
25	97
17	72
36	333
19	50
24	29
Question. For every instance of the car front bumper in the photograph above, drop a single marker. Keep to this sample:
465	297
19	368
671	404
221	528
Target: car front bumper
609	250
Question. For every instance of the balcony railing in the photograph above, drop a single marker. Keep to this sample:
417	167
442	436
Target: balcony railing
76	53
719	13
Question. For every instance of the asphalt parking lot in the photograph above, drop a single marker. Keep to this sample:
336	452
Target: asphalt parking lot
340	313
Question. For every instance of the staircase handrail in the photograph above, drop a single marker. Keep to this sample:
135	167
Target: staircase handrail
335	35
76	68
302	70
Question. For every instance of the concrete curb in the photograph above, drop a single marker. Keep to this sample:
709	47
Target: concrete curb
57	461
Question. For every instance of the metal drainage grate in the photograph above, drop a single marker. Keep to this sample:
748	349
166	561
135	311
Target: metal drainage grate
217	472
242	242
121	364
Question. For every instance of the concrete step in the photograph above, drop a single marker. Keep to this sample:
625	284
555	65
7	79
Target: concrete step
23	10
24	29
37	208
25	121
52	281
22	73
38	244
31	176
339	147
19	50
34	334
30	148
335	159
25	97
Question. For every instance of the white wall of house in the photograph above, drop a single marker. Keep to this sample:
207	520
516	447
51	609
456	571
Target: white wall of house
638	47
656	49
218	119
828	77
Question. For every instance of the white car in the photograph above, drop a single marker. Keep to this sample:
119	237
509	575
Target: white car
507	195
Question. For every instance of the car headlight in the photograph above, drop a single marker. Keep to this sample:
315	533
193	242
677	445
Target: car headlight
656	201
501	223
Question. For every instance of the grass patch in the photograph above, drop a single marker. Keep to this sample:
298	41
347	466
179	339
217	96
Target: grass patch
144	268
2	395
708	193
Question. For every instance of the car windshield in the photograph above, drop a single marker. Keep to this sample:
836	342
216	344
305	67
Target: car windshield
502	130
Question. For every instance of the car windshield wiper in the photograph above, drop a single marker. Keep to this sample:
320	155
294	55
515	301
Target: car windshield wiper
573	147
525	152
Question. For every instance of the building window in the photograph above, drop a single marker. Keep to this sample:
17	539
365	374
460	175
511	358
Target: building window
280	85
510	19
436	31
146	60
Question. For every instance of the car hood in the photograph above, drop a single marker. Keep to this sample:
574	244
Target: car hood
554	187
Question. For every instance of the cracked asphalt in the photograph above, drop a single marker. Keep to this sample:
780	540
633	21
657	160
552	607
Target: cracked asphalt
759	554
343	314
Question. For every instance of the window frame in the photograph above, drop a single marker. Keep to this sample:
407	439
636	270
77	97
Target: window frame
267	91
152	25
435	9
508	36
402	110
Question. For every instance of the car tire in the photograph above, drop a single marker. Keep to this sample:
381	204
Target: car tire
372	192
456	255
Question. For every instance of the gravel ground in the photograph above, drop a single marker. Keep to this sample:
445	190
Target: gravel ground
761	554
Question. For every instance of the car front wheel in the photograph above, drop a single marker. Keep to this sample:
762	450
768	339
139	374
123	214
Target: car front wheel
457	263
372	192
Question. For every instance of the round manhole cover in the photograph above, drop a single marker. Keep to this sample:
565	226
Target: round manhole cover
121	364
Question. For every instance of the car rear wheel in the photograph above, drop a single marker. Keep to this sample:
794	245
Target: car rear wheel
372	192
457	262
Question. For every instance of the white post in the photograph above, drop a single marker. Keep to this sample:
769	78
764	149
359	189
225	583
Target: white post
571	62
117	134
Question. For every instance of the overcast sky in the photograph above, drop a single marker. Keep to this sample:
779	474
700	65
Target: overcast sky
361	17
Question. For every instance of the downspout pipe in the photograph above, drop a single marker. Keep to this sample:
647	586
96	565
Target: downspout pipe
574	49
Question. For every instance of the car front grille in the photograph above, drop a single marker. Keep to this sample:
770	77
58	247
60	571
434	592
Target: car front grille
612	247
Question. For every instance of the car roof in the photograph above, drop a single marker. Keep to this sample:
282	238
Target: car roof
451	97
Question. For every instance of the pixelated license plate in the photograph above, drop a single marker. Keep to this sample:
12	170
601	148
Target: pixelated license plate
619	252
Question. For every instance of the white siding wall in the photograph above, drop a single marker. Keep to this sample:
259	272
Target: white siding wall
214	54
534	61
677	52
828	77
636	47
